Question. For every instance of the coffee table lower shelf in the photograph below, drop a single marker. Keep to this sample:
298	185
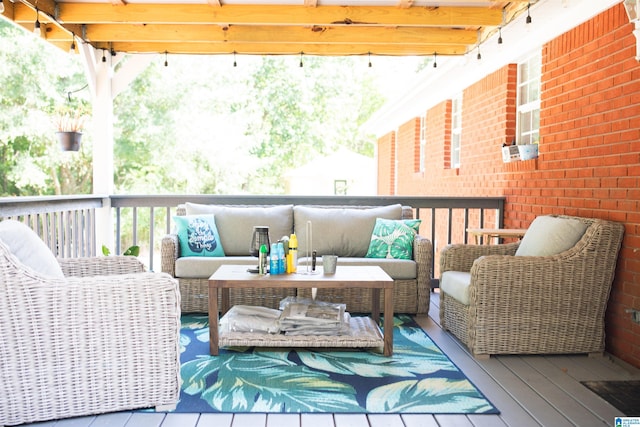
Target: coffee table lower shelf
365	333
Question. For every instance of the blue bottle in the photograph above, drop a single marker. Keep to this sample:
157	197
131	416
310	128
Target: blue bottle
282	260
273	260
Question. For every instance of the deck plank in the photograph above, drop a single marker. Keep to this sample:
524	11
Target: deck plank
316	420
76	422
180	420
217	420
351	420
555	396
385	420
145	419
116	419
453	420
419	420
249	420
589	400
283	420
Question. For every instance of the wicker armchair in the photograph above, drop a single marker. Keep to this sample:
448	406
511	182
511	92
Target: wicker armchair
533	304
103	338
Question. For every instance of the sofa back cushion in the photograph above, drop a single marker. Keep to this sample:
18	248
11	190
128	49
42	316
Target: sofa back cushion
235	223
29	248
550	235
342	231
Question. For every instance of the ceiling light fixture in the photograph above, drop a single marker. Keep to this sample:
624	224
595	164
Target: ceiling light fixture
528	20
633	11
435	59
36	26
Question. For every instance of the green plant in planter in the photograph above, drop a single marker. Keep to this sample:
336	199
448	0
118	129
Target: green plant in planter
131	251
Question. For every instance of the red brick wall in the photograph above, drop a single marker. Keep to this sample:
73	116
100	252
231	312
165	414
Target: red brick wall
589	162
387	164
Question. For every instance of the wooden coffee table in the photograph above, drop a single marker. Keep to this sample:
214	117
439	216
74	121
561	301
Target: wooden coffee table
237	276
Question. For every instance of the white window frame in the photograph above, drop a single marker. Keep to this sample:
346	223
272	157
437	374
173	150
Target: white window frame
528	106
456	130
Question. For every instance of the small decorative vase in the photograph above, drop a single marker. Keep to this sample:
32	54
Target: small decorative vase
69	141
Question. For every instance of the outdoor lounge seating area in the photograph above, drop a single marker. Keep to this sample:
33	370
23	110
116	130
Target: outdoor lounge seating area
495	376
345	231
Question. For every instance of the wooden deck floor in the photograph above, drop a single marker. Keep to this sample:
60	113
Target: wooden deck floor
528	390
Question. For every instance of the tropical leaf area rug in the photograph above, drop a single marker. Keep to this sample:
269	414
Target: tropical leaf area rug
418	378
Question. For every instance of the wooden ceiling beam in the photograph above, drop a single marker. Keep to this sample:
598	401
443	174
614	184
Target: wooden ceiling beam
87	13
280	34
283	49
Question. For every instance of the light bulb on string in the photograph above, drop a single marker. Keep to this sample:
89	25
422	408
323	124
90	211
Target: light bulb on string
500	37
528	20
370	65
104	58
235	64
301	64
166	59
72	48
479	56
36	26
435	59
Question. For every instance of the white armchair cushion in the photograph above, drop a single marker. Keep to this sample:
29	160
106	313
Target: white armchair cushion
548	235
456	285
29	248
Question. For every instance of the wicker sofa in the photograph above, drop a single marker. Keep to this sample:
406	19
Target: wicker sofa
88	336
498	303
338	230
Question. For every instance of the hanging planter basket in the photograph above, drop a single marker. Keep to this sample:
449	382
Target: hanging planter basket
69	141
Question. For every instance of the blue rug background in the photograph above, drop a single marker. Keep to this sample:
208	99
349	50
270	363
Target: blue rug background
418	378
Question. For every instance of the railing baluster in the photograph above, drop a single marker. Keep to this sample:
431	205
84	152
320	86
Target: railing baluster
151	234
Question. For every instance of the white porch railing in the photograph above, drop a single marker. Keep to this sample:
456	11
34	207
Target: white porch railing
67	223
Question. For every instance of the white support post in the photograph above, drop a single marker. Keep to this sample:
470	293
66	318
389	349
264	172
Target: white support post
105	85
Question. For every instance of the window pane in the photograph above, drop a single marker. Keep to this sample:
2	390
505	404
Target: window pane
535	120
525	122
522	95
524	72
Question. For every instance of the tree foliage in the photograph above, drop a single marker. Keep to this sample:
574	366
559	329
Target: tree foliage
198	125
34	82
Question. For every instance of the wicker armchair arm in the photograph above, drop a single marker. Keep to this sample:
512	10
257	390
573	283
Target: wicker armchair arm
100	266
460	257
422	255
169	252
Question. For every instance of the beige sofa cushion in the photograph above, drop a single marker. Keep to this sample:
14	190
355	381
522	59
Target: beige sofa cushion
548	235
235	223
456	285
345	232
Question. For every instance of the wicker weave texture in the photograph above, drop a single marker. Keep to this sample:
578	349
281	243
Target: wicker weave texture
410	296
535	305
86	344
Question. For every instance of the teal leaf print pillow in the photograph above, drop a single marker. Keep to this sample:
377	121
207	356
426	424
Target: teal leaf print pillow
393	238
198	235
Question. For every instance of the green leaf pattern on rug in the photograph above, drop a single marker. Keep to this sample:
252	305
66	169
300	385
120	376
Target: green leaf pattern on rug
426	395
289	386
